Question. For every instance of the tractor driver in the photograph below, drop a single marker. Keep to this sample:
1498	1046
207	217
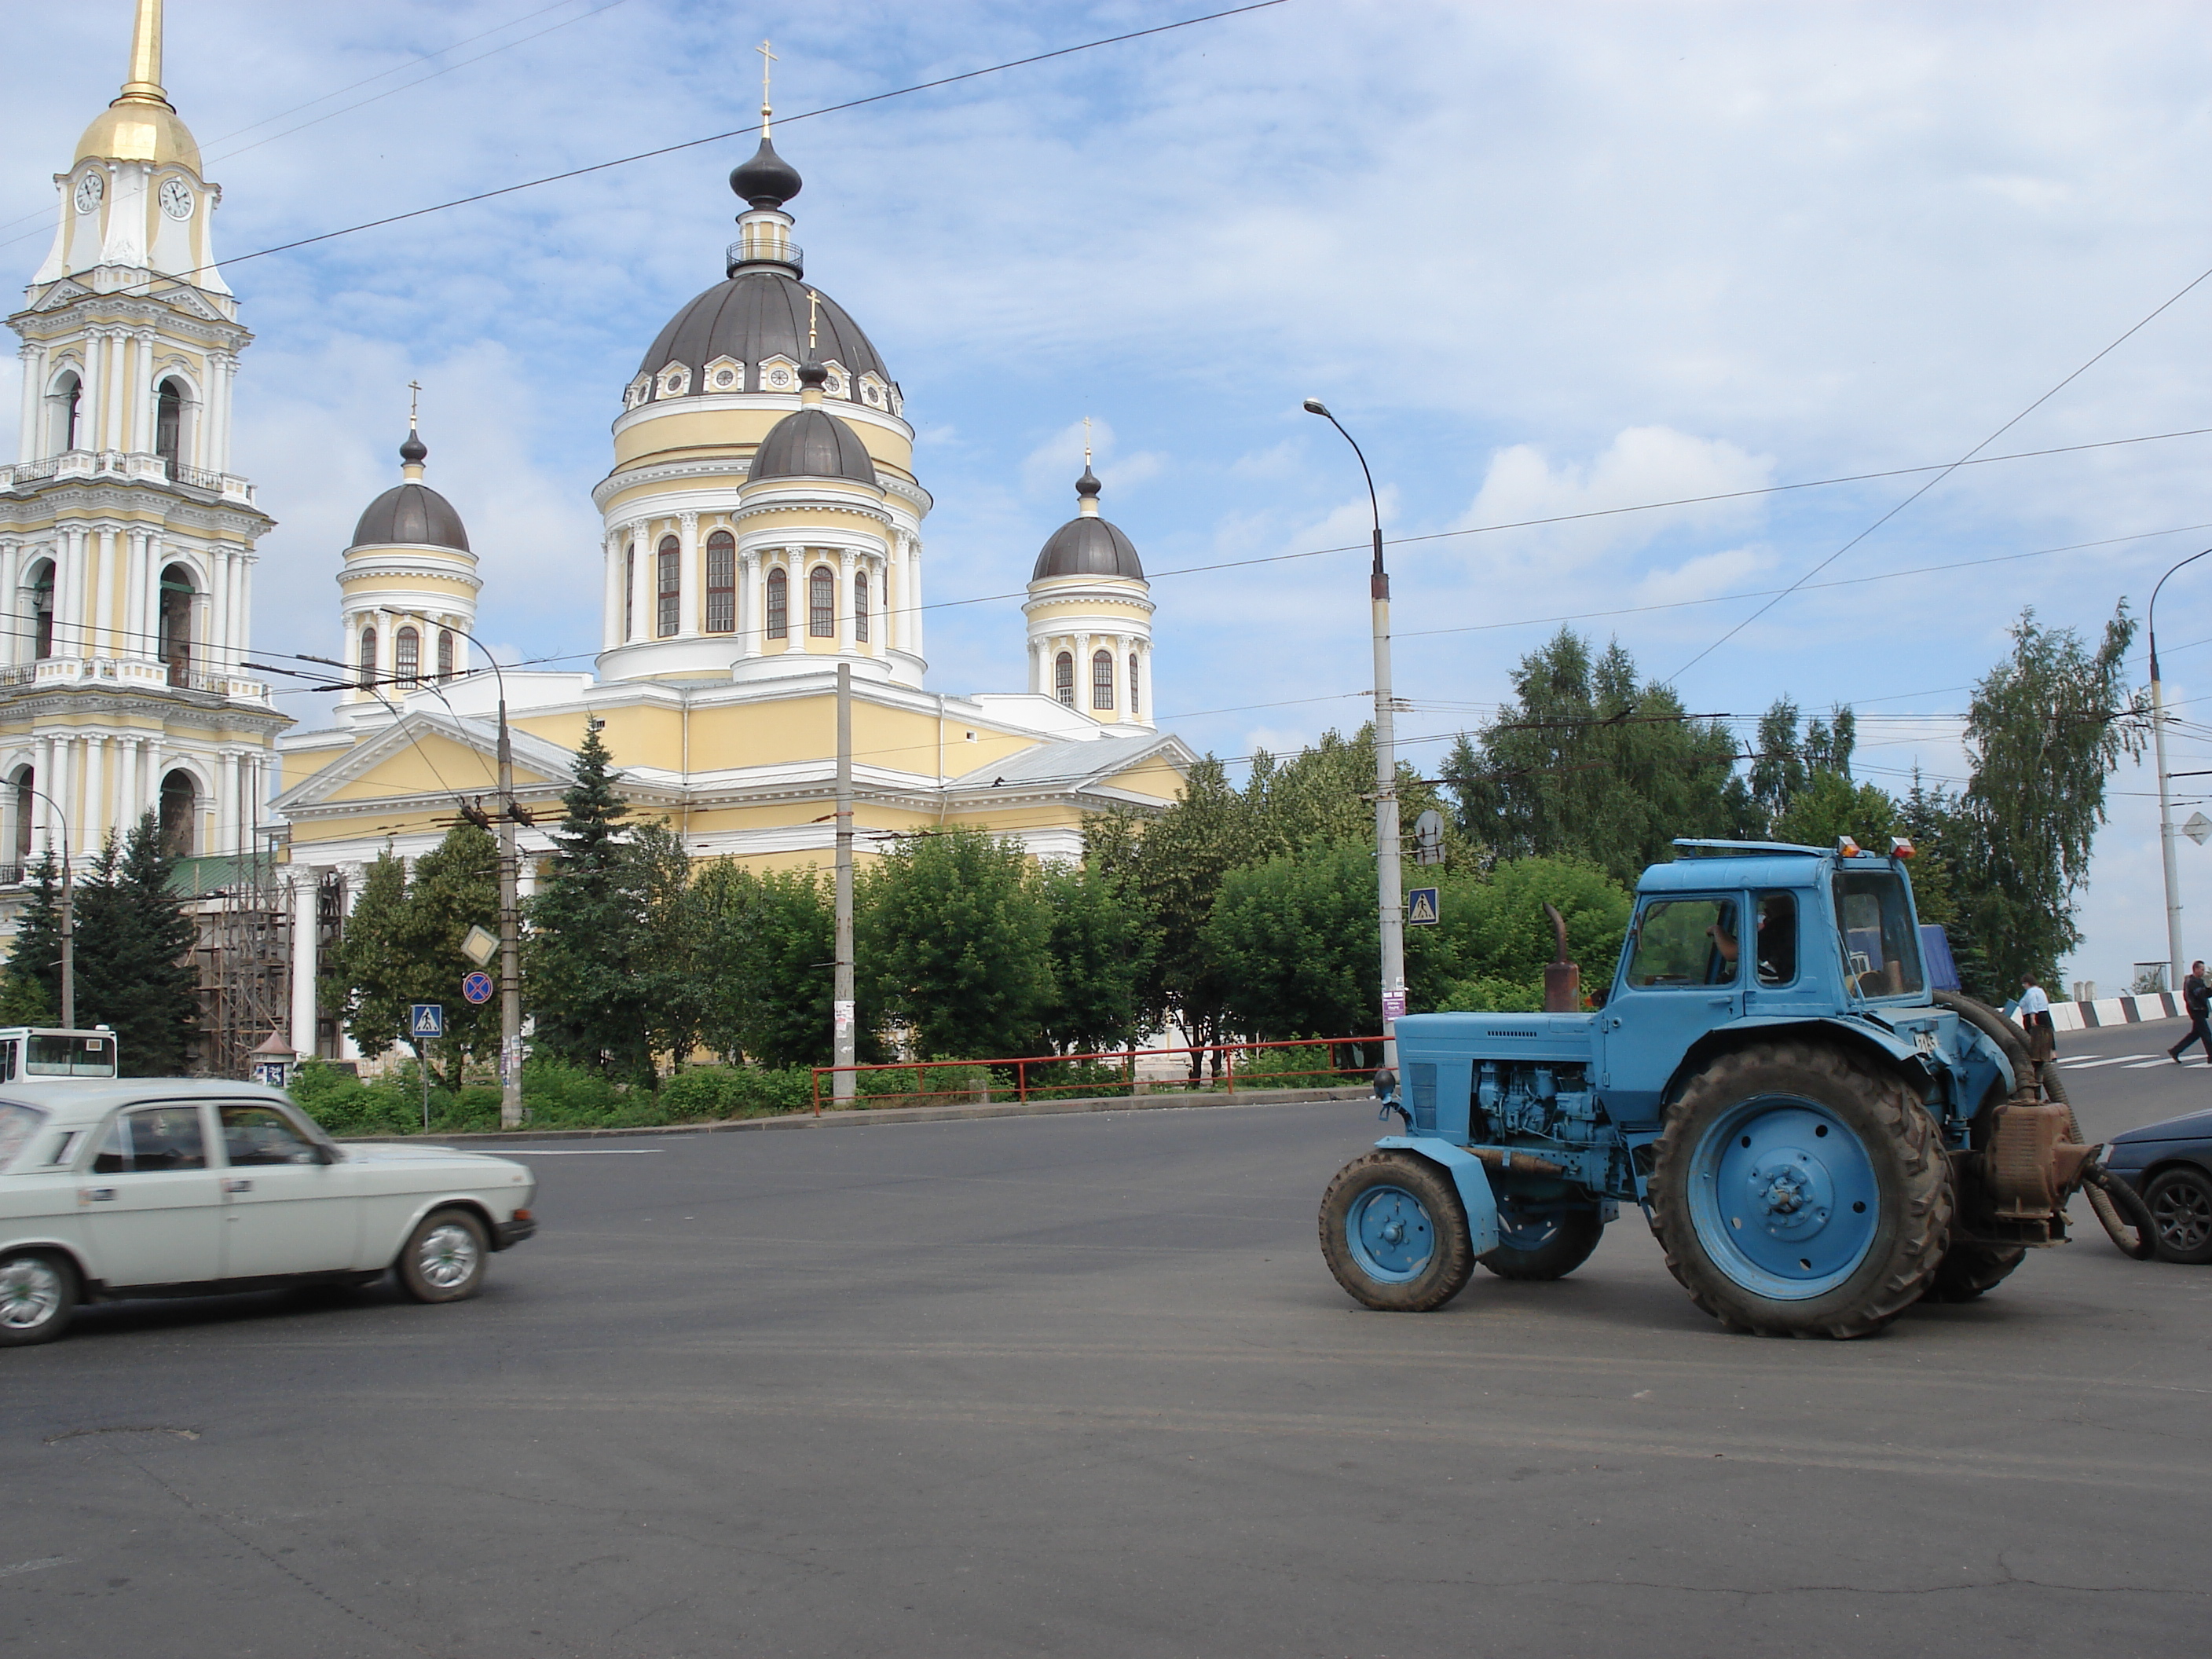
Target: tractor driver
1778	941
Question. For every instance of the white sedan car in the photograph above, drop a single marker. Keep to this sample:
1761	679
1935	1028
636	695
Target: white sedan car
162	1187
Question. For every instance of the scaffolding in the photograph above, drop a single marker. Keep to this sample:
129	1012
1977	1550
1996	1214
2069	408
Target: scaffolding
244	955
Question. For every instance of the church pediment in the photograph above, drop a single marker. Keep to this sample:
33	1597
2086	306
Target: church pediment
191	302
423	755
59	295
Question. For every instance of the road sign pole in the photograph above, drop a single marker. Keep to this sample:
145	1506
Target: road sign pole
842	1033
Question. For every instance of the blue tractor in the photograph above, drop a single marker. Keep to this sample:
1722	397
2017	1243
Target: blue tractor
1818	1137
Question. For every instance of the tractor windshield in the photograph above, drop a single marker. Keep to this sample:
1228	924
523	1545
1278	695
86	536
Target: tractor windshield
1881	947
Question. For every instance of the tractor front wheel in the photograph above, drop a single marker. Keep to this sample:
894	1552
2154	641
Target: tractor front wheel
1799	1192
1394	1233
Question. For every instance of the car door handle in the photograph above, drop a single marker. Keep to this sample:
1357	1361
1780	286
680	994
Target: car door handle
1721	1002
99	1194
237	1186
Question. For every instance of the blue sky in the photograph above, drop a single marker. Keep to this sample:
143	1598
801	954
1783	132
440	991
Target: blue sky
1540	260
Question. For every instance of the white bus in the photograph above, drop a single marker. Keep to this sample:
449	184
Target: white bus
28	1051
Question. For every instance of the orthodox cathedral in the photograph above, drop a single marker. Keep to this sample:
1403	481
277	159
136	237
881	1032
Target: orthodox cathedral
763	526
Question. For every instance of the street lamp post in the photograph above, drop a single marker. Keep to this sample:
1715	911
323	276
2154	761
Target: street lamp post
510	920
2165	810
1389	897
68	916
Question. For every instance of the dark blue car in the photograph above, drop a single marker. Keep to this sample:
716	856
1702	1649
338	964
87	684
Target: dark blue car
2170	1164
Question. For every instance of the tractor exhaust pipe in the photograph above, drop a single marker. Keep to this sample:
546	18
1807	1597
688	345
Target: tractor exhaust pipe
1562	980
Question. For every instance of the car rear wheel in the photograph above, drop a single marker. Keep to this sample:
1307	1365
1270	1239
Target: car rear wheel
2180	1203
39	1294
443	1259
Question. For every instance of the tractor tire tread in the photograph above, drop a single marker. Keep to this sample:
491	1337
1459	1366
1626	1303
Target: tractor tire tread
1453	1240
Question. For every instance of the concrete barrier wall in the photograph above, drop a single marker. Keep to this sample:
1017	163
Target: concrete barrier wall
2114	1010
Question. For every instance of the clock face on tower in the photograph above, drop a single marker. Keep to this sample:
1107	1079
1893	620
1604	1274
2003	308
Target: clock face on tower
176	198
87	192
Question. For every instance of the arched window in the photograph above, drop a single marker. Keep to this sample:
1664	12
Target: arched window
445	655
670	588
629	592
822	603
407	656
175	636
24	782
779	604
1063	678
860	606
367	658
721	583
65	405
179	813
1134	682
168	423
42	607
1101	680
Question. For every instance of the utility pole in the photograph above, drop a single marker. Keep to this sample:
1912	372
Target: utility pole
840	1015
1389	892
2164	811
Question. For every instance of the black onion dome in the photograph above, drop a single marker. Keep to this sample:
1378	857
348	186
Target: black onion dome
812	443
414	452
765	181
1088	547
758	314
412	515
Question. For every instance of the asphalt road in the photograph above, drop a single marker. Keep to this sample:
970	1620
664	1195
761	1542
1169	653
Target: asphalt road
1081	1385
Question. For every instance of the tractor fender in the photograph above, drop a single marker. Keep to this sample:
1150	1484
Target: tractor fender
1468	1174
1875	1043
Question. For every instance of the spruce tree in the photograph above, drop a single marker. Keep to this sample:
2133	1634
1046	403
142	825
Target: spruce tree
31	994
371	964
134	955
456	887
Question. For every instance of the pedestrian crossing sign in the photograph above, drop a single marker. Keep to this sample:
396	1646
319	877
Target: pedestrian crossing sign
1421	907
426	1019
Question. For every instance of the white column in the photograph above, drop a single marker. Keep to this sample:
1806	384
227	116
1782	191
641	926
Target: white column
304	965
69	586
123	796
241	612
96	825
34	384
142	392
610	589
691	610
913	592
42	779
843	612
214	441
645	618
1145	670
16	627
749	611
203	626
214	610
226	803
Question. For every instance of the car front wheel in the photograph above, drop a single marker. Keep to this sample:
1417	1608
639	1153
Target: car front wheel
443	1259
38	1296
2180	1202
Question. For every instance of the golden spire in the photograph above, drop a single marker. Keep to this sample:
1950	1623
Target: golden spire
767	58
144	86
1086	443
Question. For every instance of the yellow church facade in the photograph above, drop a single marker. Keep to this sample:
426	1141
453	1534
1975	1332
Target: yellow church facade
763	526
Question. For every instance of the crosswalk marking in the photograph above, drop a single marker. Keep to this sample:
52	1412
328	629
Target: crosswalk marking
2145	1065
2109	1060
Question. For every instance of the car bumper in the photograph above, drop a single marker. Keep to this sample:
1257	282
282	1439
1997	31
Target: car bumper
508	1234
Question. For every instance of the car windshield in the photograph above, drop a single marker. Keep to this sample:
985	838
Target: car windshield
17	1123
1882	948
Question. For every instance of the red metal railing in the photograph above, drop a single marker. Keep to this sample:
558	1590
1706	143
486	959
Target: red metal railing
1216	1065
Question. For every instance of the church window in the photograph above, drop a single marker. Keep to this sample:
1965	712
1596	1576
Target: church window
629	592
26	782
861	607
1063	678
407	656
67	402
779	605
1101	680
368	659
42	607
1133	683
721	583
822	603
670	589
168	423
180	800
175	638
445	655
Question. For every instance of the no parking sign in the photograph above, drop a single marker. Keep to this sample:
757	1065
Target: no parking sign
477	987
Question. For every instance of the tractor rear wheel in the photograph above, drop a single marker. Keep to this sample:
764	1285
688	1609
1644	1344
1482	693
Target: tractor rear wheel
1799	1192
1542	1244
1394	1233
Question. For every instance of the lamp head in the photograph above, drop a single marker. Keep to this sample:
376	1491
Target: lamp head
1315	406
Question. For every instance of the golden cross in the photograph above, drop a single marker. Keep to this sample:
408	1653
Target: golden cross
767	58
1086	443
813	309
414	402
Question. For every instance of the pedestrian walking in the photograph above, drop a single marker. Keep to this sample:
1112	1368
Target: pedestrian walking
2034	1011
2196	1003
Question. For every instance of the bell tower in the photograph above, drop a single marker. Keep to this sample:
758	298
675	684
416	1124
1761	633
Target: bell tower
126	540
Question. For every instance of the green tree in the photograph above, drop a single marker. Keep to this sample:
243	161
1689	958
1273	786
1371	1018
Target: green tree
455	888
1101	950
370	963
673	963
1500	938
1832	804
1296	941
33	993
1586	762
957	944
2045	730
134	967
770	939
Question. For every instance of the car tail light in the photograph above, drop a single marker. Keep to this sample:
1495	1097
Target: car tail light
524	1215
